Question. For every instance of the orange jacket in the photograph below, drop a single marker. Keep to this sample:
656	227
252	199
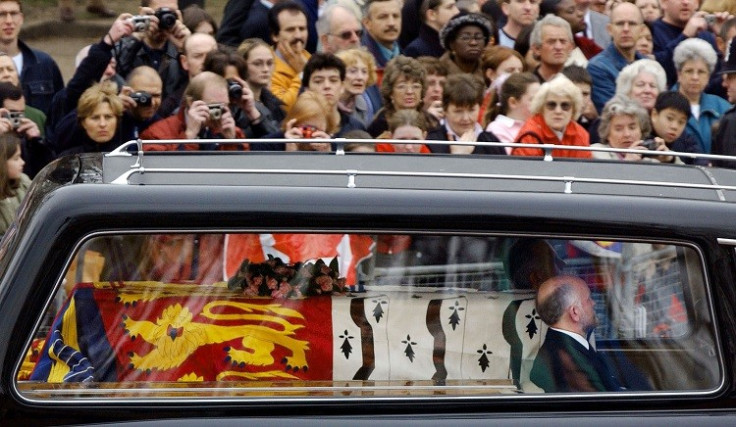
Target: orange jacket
536	131
174	127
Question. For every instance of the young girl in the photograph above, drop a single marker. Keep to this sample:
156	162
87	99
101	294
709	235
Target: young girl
309	118
509	107
409	125
13	182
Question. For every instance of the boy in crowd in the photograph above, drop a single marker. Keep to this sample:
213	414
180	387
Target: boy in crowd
669	117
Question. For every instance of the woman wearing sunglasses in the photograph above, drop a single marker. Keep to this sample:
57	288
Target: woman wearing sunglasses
555	109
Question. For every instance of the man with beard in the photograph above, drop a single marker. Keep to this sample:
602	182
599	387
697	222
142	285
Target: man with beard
625	25
566	362
519	14
382	22
158	45
287	22
39	75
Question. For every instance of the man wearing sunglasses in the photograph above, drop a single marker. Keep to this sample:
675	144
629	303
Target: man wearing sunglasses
434	15
338	29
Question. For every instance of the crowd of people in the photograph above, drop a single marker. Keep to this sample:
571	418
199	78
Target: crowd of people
647	75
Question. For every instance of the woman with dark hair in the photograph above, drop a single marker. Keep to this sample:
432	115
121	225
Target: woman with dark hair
14	183
510	105
198	20
403	87
464	38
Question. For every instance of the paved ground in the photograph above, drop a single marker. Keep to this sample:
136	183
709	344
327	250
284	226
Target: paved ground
43	29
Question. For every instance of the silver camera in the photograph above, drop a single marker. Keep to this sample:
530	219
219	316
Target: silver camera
215	111
140	22
710	19
15	118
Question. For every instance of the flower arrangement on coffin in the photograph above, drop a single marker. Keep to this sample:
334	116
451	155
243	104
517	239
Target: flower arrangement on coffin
277	279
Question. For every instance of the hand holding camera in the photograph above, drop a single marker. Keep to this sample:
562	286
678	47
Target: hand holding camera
240	94
215	116
17	122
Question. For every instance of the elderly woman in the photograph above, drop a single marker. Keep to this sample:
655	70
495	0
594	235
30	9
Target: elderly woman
555	109
694	61
360	73
464	37
623	124
98	115
403	87
642	81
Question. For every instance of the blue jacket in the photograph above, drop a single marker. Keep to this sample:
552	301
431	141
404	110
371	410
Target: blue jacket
604	69
427	43
712	108
40	78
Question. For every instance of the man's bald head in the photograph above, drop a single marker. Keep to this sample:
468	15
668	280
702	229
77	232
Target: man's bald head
564	302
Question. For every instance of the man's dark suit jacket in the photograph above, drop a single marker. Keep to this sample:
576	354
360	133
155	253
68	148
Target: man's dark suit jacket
564	365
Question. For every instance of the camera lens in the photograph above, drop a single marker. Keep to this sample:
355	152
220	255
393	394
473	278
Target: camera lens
234	90
166	19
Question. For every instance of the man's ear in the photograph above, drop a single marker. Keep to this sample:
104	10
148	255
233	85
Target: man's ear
609	27
183	62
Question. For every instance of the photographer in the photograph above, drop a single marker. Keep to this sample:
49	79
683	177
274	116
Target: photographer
205	115
141	99
252	117
13	120
158	38
94	68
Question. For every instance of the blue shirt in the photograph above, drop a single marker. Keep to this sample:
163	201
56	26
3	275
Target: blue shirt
604	69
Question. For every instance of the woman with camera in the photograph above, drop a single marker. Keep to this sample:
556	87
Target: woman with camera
624	123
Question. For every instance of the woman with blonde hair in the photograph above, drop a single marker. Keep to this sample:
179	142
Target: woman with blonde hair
99	111
555	109
309	117
360	73
259	61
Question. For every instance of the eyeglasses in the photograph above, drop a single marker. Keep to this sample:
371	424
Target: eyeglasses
403	87
469	37
552	105
346	35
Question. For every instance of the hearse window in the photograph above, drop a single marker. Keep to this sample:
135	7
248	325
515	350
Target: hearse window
337	315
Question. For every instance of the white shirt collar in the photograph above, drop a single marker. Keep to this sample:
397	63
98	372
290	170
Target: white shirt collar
575	336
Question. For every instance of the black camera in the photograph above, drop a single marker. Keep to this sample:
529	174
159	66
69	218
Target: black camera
649	144
215	111
166	18
15	118
140	22
234	90
141	98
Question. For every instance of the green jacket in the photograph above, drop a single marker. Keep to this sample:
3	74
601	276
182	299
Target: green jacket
9	206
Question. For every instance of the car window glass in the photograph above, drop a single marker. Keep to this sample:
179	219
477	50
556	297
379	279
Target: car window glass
337	315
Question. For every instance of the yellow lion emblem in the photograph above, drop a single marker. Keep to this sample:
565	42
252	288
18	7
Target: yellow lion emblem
175	337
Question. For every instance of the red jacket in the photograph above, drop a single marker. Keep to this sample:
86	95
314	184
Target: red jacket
174	127
536	131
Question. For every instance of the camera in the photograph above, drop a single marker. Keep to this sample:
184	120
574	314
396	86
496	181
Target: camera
215	111
15	118
710	19
308	131
141	98
234	90
166	18
649	144
140	22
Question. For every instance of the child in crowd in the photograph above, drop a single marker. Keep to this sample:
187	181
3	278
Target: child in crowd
309	118
14	183
669	117
408	125
509	106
